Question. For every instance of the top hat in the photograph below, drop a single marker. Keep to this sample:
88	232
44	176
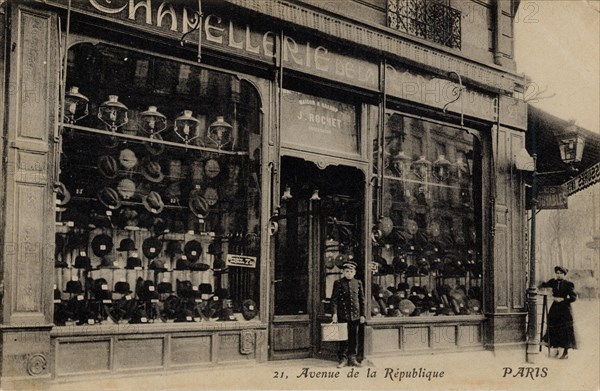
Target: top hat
127	245
153	203
127	158
151	170
109	197
107	165
133	262
151	247
193	250
101	245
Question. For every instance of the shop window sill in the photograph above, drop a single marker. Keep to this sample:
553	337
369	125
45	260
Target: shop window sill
425	319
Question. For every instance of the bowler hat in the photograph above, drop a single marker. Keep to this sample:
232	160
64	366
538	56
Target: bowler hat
59	262
193	250
182	264
109	198
127	245
101	245
133	263
100	289
74	287
147	290
82	262
474	305
205	288
412	271
219	264
153	203
122	287
151	247
399	264
200	266
151	170
107	165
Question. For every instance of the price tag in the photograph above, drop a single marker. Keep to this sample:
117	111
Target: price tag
57	301
194	288
54	287
104	287
91	321
391	306
134	254
198	300
137	268
103	247
74	278
153	300
152	250
128	297
184	257
79	297
231	317
197	319
143	319
251	307
461	305
441	306
215	298
188	318
381	295
194	252
106	301
151	288
70	223
402	295
109	212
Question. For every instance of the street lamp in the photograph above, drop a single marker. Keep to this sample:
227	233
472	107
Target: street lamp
571	145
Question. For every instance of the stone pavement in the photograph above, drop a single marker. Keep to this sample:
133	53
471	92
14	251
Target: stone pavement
478	370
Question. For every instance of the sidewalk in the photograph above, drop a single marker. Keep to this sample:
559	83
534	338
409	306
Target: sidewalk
480	370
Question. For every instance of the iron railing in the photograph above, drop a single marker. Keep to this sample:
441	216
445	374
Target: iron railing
428	19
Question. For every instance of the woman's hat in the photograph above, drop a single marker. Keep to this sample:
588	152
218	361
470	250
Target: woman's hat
151	247
127	245
109	198
193	250
157	265
101	245
133	262
108	167
561	269
152	171
108	262
153	203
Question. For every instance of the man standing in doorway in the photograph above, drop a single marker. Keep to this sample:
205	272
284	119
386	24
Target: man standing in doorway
348	305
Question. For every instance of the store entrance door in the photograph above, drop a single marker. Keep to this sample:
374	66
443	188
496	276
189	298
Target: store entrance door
319	225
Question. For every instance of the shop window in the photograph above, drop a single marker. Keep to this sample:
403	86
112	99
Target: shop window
158	205
427	239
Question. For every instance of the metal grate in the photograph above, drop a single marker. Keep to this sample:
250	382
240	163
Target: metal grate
427	19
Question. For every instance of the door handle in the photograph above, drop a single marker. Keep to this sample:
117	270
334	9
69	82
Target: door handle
275	281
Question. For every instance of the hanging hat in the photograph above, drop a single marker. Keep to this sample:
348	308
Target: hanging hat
205	288
249	309
82	262
399	264
474	305
63	196
386	225
153	203
165	287
198	204
155	148
122	287
110	142
127	245
173	191
61	263
101	245
211	195
226	315
185	289
222	293
109	198
212	168
74	287
128	159
215	248
108	167
406	307
412	271
151	247
147	291
158	265
329	262
126	188
151	170
133	263
108	262
197	172
100	289
193	250
175	170
200	266
219	264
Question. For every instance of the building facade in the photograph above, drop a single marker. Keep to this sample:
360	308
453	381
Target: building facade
182	181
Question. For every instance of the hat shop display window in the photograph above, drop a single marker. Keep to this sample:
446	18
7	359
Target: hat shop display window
158	206
427	239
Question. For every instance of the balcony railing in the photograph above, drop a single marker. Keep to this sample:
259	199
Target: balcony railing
428	19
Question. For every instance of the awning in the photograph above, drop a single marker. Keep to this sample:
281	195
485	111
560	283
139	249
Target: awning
548	131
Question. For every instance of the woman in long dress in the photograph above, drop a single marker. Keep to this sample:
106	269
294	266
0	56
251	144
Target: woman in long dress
561	333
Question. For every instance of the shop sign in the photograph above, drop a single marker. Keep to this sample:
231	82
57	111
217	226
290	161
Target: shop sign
241	261
552	197
174	19
436	92
587	178
513	112
317	123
